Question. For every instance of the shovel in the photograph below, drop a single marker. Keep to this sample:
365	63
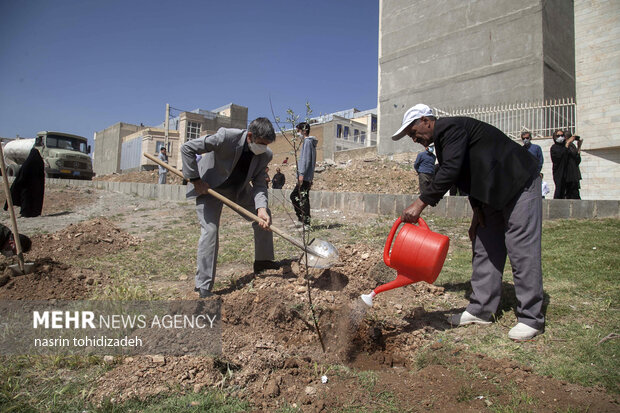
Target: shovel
320	253
22	267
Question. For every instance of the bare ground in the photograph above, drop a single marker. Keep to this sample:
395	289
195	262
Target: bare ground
271	354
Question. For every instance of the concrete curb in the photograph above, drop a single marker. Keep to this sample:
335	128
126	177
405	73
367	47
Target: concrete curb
383	204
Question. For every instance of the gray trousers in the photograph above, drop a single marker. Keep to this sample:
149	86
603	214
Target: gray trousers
425	181
162	177
516	230
209	210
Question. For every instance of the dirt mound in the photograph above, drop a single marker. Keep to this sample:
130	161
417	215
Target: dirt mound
375	175
144	376
89	238
267	326
272	357
146	177
49	280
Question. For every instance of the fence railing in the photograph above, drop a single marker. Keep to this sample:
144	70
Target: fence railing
540	118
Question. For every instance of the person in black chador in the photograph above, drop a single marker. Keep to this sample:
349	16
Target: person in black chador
28	187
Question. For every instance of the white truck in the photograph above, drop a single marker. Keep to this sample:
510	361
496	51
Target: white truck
65	155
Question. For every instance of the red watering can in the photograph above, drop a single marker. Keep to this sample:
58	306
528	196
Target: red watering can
418	254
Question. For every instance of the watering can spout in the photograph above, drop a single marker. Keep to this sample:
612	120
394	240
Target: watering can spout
367	298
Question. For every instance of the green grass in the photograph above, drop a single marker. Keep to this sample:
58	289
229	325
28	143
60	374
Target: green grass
580	272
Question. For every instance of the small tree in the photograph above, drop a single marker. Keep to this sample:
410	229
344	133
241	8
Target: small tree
293	119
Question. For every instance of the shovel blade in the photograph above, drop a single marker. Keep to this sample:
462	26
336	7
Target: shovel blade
321	254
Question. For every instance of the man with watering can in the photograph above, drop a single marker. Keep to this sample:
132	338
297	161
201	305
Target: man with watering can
501	178
232	158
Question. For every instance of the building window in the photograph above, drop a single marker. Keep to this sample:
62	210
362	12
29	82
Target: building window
363	137
338	131
346	133
373	124
338	148
356	135
192	131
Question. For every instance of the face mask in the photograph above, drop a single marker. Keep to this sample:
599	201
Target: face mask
527	142
256	148
559	139
431	149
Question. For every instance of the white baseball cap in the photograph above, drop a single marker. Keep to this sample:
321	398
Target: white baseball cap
414	112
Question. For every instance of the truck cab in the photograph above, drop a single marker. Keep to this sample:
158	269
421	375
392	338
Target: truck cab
65	155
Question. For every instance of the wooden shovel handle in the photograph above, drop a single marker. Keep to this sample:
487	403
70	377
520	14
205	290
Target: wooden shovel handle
233	205
9	201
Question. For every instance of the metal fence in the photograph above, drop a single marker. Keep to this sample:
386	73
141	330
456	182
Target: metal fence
540	118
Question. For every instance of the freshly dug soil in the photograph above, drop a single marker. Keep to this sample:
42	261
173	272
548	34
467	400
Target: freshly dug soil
272	356
86	239
50	280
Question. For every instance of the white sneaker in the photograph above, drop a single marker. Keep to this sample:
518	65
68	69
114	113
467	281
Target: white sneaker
466	318
523	332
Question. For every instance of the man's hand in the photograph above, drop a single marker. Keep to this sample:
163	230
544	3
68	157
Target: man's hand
300	180
477	220
266	219
413	211
201	187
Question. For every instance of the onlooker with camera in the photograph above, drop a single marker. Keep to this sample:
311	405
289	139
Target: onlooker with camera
566	158
573	174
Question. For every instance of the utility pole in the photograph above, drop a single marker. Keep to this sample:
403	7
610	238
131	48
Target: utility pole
167	126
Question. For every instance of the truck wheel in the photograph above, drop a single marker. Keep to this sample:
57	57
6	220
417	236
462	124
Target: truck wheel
12	170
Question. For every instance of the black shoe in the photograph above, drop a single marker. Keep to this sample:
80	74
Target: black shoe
260	266
203	293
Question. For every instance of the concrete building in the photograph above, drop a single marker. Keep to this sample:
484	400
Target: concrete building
107	153
119	147
338	131
453	53
463	54
597	56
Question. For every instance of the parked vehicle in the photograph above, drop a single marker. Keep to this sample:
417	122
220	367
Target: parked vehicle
65	155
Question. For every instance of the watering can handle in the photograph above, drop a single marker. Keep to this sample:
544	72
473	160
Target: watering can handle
390	238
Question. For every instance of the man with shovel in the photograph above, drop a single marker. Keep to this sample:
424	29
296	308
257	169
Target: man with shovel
501	178
232	158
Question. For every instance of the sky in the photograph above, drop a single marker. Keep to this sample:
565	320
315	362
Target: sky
81	66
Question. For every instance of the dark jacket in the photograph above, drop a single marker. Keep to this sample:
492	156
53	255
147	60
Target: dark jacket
278	180
480	160
28	188
537	152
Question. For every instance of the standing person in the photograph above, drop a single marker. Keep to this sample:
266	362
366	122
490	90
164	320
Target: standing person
28	188
566	158
504	190
300	197
534	149
163	172
424	165
232	158
545	188
573	174
278	180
